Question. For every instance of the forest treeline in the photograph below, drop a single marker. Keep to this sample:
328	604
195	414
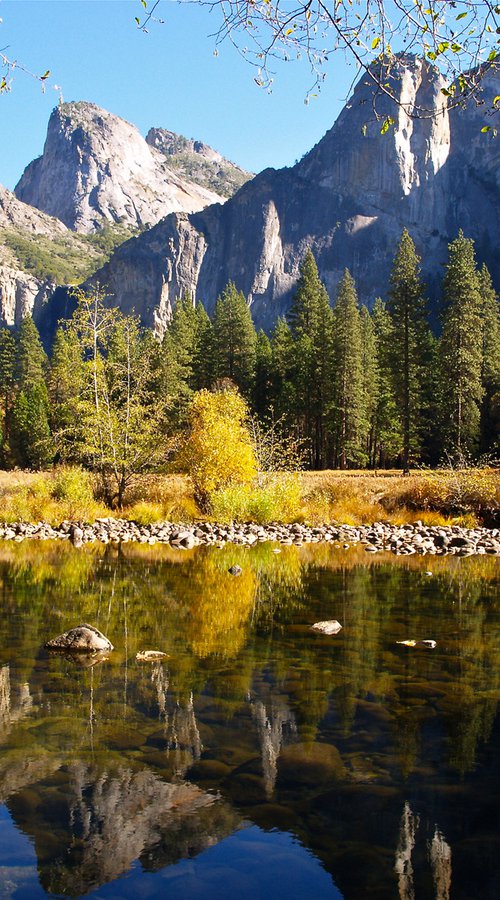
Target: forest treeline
358	388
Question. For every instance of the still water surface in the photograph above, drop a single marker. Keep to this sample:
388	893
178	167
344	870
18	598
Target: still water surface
259	760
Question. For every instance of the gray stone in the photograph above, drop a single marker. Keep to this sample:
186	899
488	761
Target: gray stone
83	638
330	626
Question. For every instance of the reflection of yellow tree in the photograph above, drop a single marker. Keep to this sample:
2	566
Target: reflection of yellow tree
221	606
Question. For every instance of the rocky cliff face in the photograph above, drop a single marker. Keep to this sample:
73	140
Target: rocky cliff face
348	200
21	292
97	169
15	214
198	162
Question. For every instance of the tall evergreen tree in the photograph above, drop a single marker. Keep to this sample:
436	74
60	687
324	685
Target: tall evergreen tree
386	428
31	442
371	378
348	417
234	340
311	320
461	350
31	438
203	364
283	383
490	364
183	330
31	359
263	367
408	310
7	392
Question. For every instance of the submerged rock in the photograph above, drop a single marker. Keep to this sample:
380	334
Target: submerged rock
82	639
150	655
425	644
328	627
80	658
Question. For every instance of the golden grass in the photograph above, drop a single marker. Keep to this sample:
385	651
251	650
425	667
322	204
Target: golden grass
355	497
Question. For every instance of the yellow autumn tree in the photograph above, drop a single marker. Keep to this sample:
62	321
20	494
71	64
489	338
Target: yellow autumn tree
218	452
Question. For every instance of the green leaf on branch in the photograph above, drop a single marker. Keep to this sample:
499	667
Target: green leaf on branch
388	121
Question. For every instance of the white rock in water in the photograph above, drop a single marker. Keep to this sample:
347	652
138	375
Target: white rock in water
84	638
329	627
427	644
150	655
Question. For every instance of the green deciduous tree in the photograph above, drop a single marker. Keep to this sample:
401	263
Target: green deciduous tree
119	427
461	351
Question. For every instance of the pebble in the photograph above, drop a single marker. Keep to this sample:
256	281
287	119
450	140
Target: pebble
402	540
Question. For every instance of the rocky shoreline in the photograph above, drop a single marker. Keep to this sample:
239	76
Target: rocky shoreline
403	540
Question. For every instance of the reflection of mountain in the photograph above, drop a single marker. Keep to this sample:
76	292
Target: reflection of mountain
273	723
327	739
90	824
13	705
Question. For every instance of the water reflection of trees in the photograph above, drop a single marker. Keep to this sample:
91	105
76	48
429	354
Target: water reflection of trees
247	691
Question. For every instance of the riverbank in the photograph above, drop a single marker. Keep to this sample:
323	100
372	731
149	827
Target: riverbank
403	540
467	497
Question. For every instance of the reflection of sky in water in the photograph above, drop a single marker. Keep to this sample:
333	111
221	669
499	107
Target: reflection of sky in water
18	864
249	865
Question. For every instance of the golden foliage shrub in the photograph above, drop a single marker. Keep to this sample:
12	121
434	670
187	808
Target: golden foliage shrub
218	451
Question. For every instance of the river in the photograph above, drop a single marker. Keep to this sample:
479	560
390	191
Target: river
258	759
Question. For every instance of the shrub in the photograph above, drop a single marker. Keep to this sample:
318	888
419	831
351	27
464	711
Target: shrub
276	501
218	452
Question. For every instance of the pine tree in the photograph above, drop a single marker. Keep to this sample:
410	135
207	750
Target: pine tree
7	394
408	311
263	367
31	442
310	320
348	410
183	330
371	379
283	383
490	364
386	429
31	437
203	364
234	340
461	350
31	359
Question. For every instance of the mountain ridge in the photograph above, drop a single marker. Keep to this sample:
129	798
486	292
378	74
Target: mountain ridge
96	169
348	200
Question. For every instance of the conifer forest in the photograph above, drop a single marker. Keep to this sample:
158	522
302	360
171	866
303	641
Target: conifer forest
356	388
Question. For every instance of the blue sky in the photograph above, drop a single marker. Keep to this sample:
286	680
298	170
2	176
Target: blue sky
168	77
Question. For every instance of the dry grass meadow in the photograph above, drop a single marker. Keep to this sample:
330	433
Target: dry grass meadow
466	496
